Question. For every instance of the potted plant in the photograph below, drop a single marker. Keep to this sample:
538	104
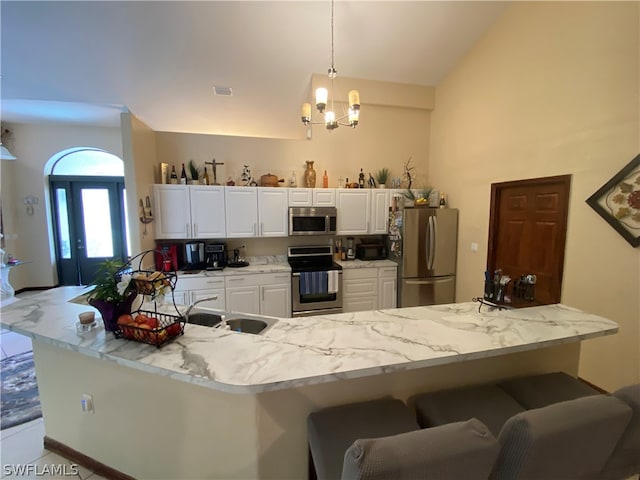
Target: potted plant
382	176
113	294
195	174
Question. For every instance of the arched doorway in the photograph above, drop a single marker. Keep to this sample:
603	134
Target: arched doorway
89	214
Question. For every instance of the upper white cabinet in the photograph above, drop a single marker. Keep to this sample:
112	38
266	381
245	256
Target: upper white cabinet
189	211
241	207
272	212
354	210
312	197
256	212
379	220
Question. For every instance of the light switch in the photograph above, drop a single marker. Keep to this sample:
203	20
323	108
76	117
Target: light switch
474	247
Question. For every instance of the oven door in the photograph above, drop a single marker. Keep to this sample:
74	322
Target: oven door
314	304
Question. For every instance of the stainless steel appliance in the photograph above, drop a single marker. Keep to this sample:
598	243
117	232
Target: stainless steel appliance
312	220
426	254
371	250
193	256
351	248
316	281
215	256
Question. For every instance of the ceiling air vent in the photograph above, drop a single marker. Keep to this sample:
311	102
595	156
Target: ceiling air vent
222	91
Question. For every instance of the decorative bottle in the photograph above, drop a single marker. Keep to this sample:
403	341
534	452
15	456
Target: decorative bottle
293	183
310	175
174	176
361	179
325	180
183	176
443	203
205	177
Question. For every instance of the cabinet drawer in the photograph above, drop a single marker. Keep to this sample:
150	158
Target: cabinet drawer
199	283
353	273
361	287
274	278
387	272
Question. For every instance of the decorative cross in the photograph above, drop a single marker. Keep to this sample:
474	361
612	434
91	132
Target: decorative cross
214	164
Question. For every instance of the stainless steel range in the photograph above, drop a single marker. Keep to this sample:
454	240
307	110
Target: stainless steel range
316	281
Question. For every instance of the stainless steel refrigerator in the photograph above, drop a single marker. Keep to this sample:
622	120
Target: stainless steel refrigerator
424	244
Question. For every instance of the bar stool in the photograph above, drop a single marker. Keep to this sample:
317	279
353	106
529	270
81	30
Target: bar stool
538	391
488	403
332	430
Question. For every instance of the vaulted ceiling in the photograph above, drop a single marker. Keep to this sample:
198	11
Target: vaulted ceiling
86	61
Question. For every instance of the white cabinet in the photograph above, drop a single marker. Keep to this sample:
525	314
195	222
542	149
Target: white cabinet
359	289
379	216
273	212
354	210
256	212
189	211
369	288
387	287
312	197
362	212
264	294
192	289
241	207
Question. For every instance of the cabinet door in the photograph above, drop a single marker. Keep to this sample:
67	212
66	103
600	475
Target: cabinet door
379	224
324	197
272	212
245	299
387	292
354	209
172	211
358	304
181	297
241	207
207	211
275	300
300	197
218	304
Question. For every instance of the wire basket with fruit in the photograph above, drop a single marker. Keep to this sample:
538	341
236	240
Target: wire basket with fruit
149	327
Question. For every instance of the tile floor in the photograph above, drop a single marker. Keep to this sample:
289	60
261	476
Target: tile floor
21	447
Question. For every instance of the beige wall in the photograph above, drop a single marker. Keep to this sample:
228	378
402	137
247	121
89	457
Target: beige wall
551	89
29	237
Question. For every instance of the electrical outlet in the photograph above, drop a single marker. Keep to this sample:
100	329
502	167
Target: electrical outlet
87	403
474	247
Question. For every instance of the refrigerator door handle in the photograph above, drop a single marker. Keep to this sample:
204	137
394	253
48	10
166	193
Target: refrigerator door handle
434	235
427	244
427	282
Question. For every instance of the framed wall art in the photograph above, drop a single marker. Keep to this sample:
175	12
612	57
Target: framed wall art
618	202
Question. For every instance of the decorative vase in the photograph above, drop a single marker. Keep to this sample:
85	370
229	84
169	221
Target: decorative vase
310	175
110	311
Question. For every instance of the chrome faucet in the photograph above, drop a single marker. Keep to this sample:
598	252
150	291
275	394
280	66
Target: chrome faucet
222	323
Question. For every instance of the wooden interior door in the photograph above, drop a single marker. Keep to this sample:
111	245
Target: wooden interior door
527	231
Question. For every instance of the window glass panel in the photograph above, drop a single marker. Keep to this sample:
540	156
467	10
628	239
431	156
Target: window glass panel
89	162
126	221
63	223
97	222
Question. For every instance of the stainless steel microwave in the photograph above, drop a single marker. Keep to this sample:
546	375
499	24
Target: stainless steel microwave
312	220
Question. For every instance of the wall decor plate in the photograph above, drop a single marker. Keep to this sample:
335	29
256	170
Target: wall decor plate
618	202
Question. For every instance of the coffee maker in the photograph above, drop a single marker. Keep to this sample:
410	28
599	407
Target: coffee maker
193	255
215	256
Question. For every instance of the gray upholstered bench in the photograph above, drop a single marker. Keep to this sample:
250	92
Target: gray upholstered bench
332	430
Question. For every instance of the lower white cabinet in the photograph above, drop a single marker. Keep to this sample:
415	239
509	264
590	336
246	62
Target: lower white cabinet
263	294
369	288
189	290
387	287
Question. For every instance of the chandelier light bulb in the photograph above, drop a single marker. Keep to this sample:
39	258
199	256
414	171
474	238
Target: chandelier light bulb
306	113
354	99
322	94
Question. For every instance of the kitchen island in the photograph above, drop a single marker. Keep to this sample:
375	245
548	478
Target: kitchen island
222	404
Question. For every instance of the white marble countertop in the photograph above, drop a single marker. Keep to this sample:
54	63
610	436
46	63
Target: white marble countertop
347	264
312	350
265	264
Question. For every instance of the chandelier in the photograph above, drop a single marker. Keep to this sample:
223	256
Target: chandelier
332	122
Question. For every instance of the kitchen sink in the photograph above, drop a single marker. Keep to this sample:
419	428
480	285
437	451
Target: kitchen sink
204	319
242	324
247	325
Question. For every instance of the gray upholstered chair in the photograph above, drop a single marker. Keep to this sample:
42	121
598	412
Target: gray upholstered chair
538	391
462	450
566	440
625	459
332	430
488	403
